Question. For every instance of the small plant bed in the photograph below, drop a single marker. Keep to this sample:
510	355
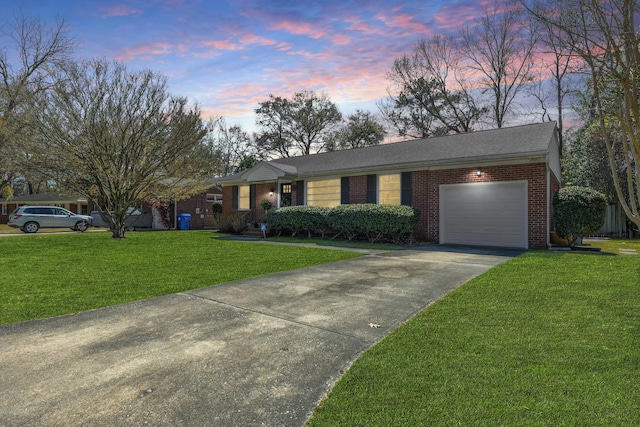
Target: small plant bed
50	275
548	338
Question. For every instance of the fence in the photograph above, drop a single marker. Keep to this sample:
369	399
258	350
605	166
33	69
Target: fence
615	224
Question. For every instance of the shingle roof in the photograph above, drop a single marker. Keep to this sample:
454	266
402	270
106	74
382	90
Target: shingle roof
506	143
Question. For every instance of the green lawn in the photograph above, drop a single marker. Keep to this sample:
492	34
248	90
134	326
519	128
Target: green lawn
49	275
546	339
317	241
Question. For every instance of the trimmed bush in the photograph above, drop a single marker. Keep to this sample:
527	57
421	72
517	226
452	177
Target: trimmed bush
298	219
374	222
578	212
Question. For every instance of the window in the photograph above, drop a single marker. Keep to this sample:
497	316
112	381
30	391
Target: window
323	193
4	209
214	198
389	189
244	197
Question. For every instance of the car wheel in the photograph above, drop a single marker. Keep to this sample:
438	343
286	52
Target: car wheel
30	227
81	226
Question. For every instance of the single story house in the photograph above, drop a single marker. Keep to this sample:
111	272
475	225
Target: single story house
488	188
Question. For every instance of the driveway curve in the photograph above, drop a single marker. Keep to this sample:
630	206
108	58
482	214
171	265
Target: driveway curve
255	352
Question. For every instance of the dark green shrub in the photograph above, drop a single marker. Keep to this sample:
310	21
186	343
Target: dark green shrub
216	208
265	204
374	222
578	211
298	219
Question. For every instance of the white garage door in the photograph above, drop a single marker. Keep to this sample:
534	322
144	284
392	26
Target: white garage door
486	214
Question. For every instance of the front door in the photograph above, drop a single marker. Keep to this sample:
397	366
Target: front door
285	195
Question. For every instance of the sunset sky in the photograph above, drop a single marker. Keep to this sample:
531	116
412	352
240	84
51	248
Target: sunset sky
229	55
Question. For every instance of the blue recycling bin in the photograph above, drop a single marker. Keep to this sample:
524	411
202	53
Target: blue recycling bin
184	221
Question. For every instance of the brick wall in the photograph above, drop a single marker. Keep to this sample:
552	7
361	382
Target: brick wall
554	186
201	212
262	191
420	200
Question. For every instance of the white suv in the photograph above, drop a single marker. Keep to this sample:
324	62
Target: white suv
31	218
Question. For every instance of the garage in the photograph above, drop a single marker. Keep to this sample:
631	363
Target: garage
484	214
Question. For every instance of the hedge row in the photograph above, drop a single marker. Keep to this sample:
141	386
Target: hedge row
373	222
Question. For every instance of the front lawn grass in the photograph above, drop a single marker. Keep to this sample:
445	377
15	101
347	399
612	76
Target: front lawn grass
49	275
545	339
353	244
613	245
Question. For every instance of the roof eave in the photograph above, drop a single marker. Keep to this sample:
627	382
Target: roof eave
438	164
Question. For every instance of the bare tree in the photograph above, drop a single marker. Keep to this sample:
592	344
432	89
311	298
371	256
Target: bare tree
499	49
228	146
431	93
30	52
605	36
118	137
557	58
296	126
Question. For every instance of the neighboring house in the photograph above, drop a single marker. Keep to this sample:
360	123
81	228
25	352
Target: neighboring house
200	207
75	204
489	188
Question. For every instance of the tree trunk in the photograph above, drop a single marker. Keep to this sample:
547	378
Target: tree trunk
117	232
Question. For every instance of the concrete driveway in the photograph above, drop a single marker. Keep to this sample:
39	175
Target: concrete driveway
255	352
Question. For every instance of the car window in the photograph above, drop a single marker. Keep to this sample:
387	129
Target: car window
59	211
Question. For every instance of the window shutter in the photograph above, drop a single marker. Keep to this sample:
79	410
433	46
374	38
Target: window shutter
344	190
234	197
372	188
405	188
299	193
252	196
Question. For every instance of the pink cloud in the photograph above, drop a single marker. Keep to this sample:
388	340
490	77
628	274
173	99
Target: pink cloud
406	23
145	51
119	10
298	28
341	39
221	44
450	18
263	41
361	26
